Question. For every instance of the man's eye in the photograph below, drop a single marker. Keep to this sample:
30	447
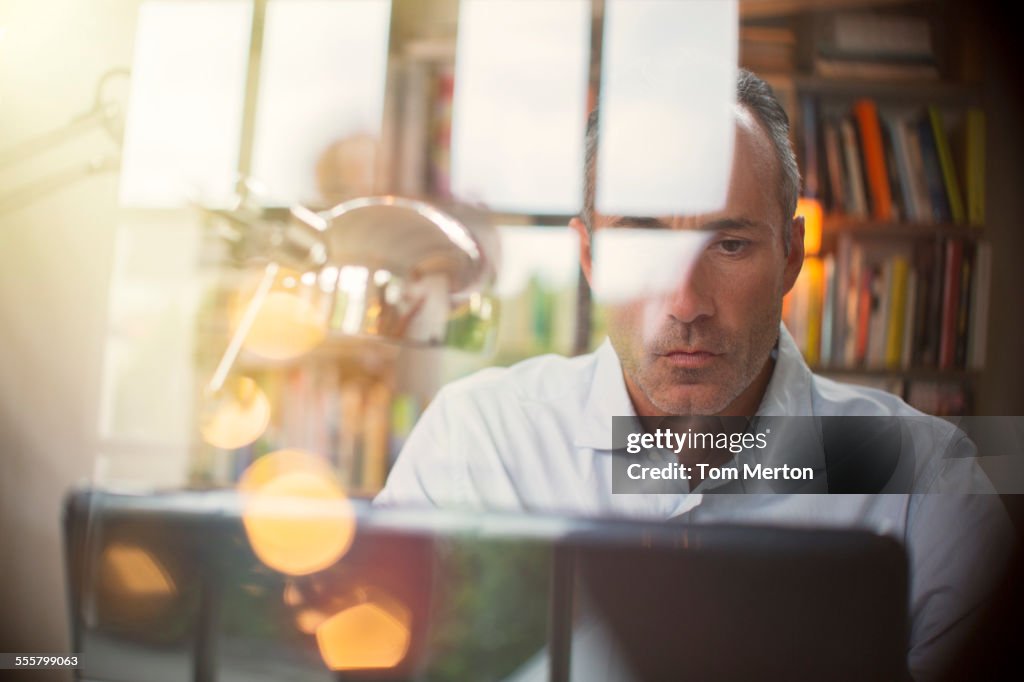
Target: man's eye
732	246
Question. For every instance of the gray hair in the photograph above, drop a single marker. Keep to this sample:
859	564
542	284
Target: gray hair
757	96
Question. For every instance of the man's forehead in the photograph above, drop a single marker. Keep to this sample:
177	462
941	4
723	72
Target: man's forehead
752	150
704	221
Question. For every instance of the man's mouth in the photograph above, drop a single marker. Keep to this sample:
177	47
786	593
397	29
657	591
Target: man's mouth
694	358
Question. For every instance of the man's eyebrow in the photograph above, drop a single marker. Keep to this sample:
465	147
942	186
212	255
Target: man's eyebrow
711	226
732	224
638	221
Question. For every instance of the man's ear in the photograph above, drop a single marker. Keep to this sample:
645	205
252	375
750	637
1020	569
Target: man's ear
581	231
795	259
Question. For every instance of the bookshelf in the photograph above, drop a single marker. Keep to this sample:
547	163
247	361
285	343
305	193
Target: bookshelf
888	110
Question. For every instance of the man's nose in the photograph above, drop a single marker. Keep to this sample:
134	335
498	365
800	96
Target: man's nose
692	299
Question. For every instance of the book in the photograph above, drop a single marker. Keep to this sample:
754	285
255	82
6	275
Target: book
865	114
899	207
978	334
932	321
857	206
910	309
828	310
945	157
814	301
867	303
964	304
852	309
920	196
932	171
809	145
896	323
881	302
975	166
951	280
834	167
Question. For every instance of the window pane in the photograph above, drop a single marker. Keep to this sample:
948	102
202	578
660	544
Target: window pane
321	97
667	93
185	111
520	104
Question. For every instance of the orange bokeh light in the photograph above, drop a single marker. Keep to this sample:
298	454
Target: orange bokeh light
291	319
296	516
134	572
810	209
234	416
373	635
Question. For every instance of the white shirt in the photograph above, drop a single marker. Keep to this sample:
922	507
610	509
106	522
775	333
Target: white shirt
537	437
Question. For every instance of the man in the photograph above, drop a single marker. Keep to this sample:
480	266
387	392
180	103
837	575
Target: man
537	437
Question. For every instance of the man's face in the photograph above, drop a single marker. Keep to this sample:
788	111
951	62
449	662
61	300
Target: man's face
704	347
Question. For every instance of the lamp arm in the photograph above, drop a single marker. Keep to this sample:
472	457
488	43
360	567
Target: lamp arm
244	326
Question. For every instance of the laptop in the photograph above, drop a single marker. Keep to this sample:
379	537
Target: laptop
168	586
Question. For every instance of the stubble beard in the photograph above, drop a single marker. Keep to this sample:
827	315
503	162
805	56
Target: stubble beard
714	389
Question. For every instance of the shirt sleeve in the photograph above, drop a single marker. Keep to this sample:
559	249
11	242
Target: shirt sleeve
428	472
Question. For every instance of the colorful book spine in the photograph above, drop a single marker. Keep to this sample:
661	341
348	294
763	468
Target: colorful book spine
933	173
911	135
815	272
873	153
896	322
950	302
857	205
975	171
834	166
946	165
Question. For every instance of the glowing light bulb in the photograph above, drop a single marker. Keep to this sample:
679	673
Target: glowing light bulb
297	518
234	416
810	209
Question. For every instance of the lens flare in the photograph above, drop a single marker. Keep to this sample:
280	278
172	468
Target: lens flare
134	586
134	572
372	635
234	416
291	320
296	517
308	620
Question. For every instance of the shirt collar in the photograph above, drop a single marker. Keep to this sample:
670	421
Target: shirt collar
788	392
606	398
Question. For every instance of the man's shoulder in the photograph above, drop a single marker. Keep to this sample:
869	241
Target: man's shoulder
544	378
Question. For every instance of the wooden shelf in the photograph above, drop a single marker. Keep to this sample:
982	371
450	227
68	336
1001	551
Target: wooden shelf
838	224
930	92
750	9
912	374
